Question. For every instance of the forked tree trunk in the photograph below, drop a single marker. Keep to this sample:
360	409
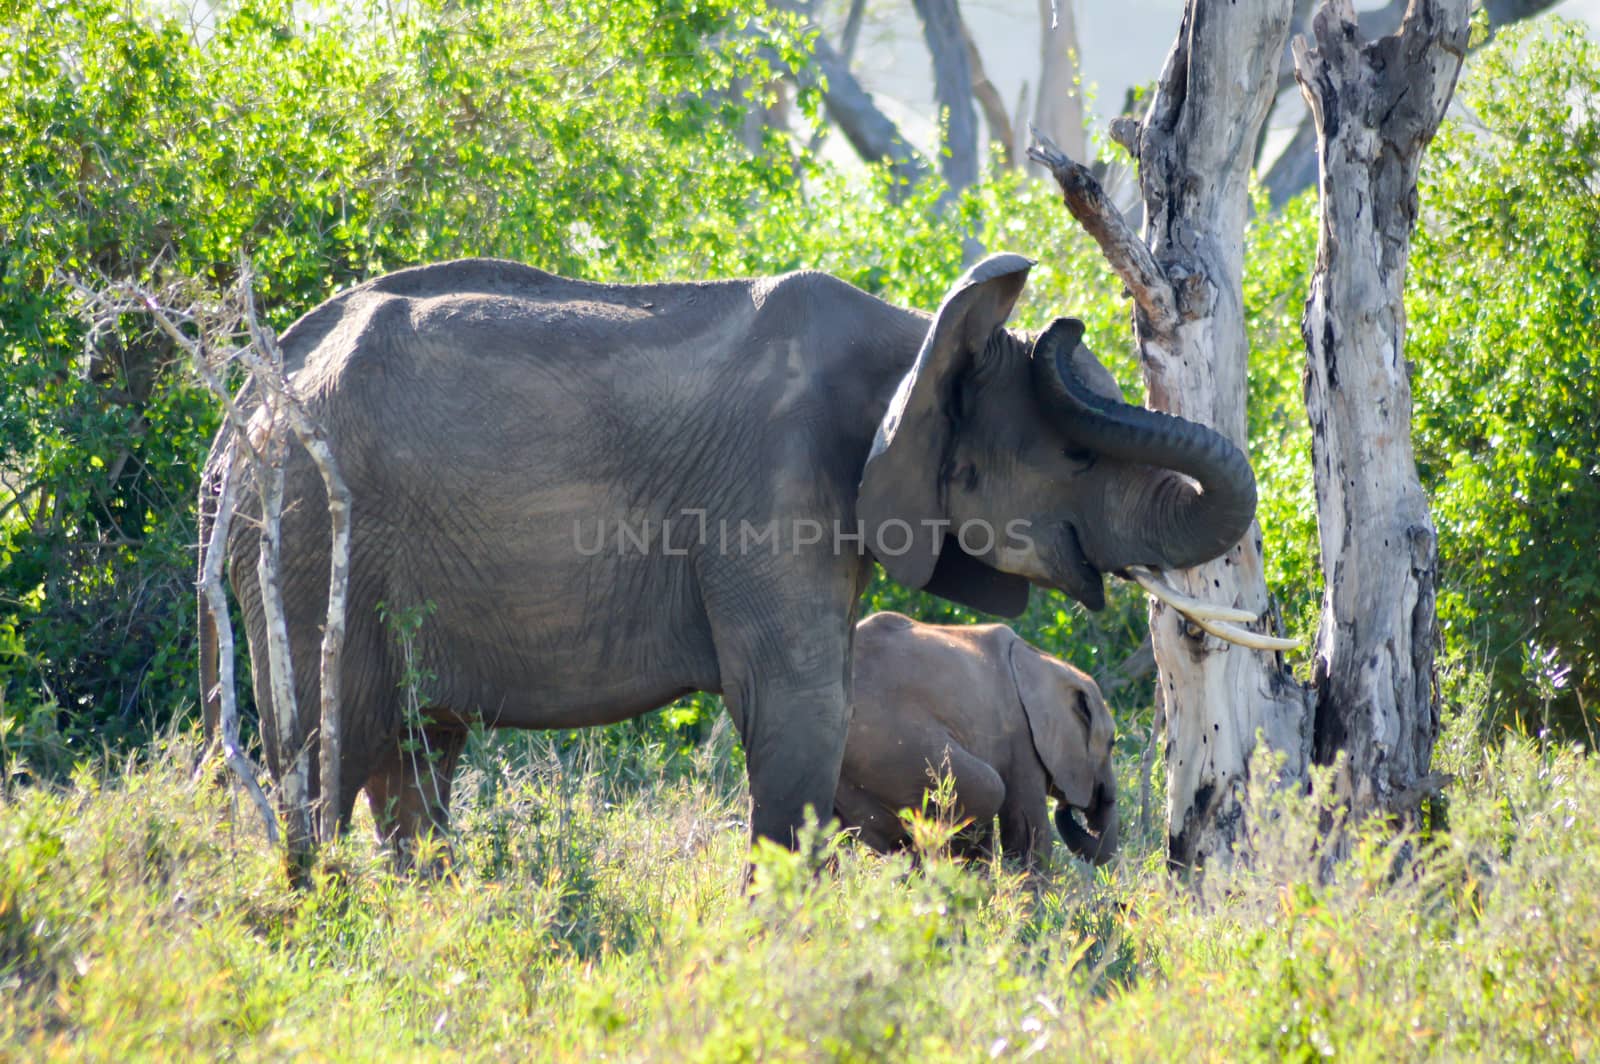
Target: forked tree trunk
1194	147
1196	143
1376	107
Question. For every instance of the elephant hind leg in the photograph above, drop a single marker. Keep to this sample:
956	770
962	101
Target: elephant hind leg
409	790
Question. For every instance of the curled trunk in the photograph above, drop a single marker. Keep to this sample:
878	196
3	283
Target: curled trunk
1174	525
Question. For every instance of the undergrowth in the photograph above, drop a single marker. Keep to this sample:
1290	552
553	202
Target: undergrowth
596	909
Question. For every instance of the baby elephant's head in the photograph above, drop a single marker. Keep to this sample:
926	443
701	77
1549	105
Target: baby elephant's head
1072	733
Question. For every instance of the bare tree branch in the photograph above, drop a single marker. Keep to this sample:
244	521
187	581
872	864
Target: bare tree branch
873	135
1128	255
261	439
1058	105
217	604
265	361
851	34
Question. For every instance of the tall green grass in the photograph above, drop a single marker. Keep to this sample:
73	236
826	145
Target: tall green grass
595	908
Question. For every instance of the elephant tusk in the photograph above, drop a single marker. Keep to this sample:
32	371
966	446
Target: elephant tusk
1232	633
1190	607
1209	617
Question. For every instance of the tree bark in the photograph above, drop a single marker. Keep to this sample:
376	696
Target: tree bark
265	362
214	600
1194	149
952	85
1295	168
294	753
1002	135
1375	107
1058	105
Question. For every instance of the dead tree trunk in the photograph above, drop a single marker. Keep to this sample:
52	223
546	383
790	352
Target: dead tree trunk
1194	147
1058	105
1376	106
1002	136
1295	168
952	85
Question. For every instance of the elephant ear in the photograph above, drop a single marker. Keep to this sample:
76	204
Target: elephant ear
1059	714
899	500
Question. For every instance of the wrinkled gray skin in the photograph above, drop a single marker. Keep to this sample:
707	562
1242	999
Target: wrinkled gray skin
1011	725
490	419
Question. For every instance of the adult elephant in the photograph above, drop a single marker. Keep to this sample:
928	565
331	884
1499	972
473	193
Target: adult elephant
608	496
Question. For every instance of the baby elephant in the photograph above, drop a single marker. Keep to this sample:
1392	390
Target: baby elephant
1016	725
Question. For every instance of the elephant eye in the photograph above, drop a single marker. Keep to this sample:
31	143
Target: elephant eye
1081	704
1082	457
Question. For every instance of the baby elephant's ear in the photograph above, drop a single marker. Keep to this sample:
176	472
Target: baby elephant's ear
1059	703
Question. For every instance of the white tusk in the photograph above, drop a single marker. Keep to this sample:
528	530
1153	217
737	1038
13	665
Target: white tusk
1190	607
1243	636
1208	616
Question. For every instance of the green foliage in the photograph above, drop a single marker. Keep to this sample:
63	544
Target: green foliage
373	138
134	145
1280	252
591	916
1504	305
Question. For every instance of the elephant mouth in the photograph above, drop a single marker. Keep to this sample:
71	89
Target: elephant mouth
1096	839
1072	572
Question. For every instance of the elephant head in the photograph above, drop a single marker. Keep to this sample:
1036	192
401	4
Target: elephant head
1002	462
1072	732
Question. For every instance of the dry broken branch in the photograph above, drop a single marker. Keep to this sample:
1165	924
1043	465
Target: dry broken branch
265	362
217	604
1123	249
261	440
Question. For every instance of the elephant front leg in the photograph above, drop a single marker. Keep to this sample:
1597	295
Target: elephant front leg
793	736
409	792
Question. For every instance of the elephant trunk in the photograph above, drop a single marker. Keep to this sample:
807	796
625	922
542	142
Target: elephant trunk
1098	843
1176	525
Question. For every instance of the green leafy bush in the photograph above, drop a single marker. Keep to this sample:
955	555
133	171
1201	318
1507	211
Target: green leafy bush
1504	308
134	145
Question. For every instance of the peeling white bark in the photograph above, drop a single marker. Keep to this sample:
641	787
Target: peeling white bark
265	362
1376	106
1194	147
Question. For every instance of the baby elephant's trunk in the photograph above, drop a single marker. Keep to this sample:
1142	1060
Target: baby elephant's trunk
1097	844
